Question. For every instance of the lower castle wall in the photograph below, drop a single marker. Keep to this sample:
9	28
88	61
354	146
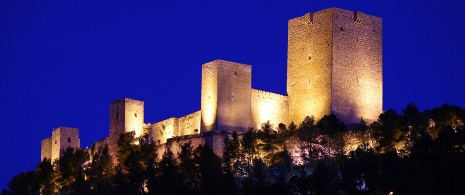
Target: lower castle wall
214	139
100	143
163	130
269	106
189	124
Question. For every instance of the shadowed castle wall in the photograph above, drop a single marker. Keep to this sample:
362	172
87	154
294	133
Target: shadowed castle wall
226	96
309	65
267	106
357	79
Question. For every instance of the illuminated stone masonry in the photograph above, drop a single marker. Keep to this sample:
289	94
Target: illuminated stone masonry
334	66
62	138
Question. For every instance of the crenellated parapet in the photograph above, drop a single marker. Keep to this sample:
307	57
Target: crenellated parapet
268	106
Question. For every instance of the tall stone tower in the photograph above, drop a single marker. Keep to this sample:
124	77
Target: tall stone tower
335	65
61	139
126	115
226	96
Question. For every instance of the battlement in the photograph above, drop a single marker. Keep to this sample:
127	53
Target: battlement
269	95
267	106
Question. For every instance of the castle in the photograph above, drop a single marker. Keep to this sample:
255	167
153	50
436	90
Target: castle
334	66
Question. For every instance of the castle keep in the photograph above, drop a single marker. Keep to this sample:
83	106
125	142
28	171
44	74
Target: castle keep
334	66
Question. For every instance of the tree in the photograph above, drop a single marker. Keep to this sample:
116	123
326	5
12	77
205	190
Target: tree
24	183
231	152
169	177
71	171
45	177
213	181
390	130
308	136
333	128
100	171
269	141
188	168
125	147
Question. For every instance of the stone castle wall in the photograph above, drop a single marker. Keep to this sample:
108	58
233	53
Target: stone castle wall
164	130
46	149
357	78
309	65
267	106
62	138
226	92
189	124
100	143
126	115
209	97
214	139
335	65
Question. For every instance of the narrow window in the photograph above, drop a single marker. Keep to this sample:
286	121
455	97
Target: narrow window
135	114
55	141
69	140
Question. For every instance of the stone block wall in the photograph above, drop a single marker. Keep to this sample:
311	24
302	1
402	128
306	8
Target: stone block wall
226	92
189	124
209	97
46	149
267	106
335	65
357	78
309	65
62	138
126	115
100	143
164	130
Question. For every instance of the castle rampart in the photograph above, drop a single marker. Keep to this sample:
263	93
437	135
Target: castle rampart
267	106
189	124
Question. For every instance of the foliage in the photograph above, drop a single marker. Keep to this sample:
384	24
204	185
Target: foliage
411	152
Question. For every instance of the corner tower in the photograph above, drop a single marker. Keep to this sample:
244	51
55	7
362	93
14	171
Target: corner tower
335	65
226	92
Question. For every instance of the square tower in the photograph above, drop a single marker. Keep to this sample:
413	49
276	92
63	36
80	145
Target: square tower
226	92
62	138
335	65
126	115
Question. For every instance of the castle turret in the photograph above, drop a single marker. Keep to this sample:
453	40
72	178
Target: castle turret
126	115
226	92
62	138
335	65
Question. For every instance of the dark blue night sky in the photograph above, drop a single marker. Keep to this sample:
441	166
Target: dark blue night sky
63	62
